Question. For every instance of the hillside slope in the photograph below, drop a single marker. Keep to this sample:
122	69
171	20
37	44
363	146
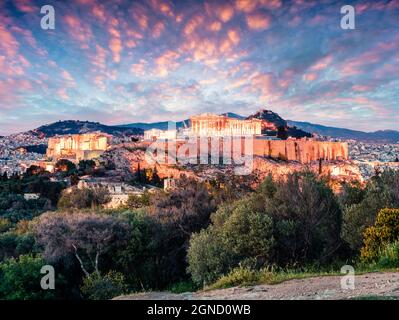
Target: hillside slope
389	136
382	284
79	127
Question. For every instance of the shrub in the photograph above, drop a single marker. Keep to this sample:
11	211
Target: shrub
138	201
84	198
97	287
240	276
389	256
238	235
306	219
5	224
207	257
286	222
382	191
20	279
177	214
384	231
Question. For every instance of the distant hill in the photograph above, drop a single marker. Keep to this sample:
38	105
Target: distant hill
155	125
79	127
388	136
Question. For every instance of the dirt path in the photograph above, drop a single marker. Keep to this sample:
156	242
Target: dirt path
327	287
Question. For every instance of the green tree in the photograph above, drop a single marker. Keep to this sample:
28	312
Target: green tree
383	232
86	167
239	235
85	236
20	279
177	214
97	287
382	191
65	165
84	198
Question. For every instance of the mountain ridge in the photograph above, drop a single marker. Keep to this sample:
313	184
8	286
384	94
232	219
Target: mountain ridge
78	127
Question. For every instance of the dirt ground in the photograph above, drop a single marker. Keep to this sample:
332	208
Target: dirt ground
384	284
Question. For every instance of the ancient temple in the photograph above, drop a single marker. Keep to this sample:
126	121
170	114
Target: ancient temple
211	125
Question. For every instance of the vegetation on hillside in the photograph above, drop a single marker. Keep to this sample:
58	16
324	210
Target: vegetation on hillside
209	233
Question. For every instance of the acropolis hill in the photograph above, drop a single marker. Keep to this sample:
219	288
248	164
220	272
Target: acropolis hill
209	125
270	136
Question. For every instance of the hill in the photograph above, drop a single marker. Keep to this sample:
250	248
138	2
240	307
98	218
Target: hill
387	136
79	127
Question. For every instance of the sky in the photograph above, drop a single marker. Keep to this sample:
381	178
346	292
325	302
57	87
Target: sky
119	62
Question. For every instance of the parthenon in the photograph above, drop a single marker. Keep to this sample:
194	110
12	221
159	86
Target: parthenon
211	125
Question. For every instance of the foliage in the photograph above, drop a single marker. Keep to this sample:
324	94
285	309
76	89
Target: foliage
183	286
139	201
20	279
84	198
137	259
240	276
86	236
13	245
97	287
5	224
65	165
384	231
352	193
388	256
207	257
177	214
86	167
286	222
382	191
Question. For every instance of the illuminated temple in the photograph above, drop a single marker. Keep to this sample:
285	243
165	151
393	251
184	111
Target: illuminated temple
78	147
211	125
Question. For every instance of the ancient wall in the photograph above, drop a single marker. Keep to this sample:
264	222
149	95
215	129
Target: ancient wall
303	151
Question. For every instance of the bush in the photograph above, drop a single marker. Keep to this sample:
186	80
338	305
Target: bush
97	287
306	219
384	231
382	191
20	279
389	256
5	225
138	201
177	214
84	198
237	236
207	257
286	222
240	276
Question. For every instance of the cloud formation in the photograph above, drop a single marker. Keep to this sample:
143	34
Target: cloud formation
120	61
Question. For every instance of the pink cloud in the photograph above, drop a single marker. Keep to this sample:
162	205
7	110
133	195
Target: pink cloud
224	12
166	63
25	6
310	76
360	88
258	21
215	26
8	44
322	64
78	31
192	25
157	29
250	5
165	7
